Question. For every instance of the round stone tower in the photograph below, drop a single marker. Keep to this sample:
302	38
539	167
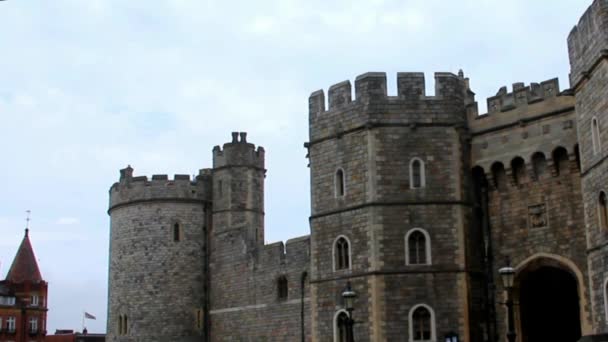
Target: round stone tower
157	257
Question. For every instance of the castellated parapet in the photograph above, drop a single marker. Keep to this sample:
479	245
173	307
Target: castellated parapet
373	106
182	188
238	153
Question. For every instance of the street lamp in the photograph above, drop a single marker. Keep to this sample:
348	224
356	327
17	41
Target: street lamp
349	298
507	274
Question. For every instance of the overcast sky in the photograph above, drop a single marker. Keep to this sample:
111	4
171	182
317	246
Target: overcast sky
89	86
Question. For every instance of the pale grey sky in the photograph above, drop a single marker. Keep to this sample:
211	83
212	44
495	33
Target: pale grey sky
89	86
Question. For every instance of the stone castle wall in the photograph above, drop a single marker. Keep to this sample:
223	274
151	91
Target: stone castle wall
148	268
588	49
373	139
520	181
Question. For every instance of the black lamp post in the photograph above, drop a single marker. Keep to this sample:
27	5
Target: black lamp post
507	274
349	297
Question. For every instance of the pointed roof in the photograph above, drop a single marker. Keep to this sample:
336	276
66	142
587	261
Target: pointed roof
24	267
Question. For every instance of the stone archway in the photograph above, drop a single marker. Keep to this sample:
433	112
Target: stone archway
549	300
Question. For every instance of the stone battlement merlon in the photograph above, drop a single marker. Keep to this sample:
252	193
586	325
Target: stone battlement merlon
238	152
520	96
294	252
371	87
521	106
588	41
373	107
131	189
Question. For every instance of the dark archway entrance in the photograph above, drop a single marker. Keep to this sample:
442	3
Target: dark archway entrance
549	305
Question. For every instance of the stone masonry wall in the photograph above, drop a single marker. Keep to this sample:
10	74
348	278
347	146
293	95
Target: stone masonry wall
244	273
588	50
549	192
148	269
373	139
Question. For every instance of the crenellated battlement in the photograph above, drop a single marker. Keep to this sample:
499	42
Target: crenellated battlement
130	189
238	152
522	104
294	252
588	41
371	87
372	104
522	95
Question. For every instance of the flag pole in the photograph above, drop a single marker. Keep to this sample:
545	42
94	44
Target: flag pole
82	321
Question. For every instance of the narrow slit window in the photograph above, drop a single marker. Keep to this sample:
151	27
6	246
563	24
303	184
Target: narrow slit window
595	136
339	183
282	288
603	211
176	232
417	176
342	254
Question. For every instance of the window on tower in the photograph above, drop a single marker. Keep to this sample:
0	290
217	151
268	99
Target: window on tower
341	327
603	210
177	233
417	247
417	174
339	183
341	253
282	288
595	136
422	324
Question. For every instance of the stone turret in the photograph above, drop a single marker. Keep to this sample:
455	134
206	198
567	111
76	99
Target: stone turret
157	256
588	50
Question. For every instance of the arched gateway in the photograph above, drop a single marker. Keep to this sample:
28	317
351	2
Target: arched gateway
550	297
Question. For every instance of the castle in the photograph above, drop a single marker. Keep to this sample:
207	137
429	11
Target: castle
416	200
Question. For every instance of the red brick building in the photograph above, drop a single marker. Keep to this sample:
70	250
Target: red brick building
23	298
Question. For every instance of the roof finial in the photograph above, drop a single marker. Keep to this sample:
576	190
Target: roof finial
27	225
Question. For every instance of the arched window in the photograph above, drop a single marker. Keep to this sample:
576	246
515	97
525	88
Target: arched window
518	167
122	325
417	247
603	210
595	136
282	289
499	176
560	160
177	233
422	323
339	183
417	174
539	163
341	253
341	326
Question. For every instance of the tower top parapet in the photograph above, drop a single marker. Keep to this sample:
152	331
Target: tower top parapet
588	42
130	189
372	105
238	152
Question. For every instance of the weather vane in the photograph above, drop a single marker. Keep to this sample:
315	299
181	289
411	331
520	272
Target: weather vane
27	219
